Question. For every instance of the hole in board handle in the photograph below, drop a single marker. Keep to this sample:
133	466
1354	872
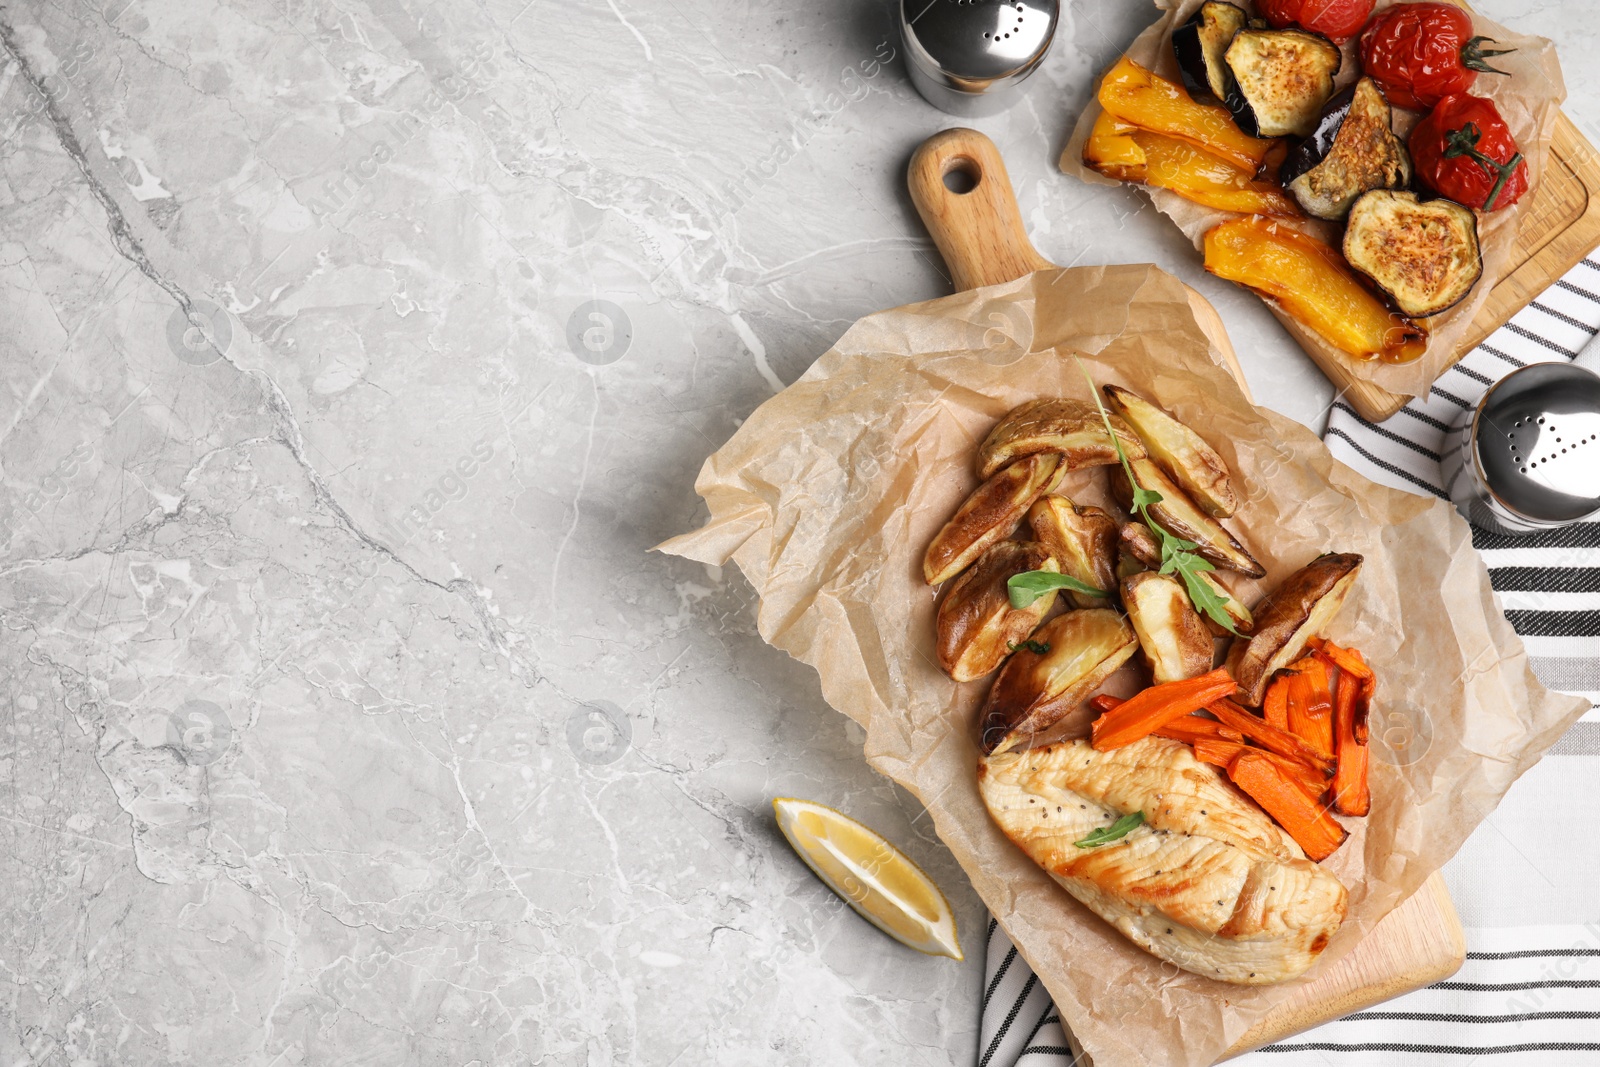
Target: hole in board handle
962	175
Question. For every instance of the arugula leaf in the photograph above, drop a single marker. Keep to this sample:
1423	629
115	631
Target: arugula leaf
1142	498
1029	586
1177	555
1038	648
1115	832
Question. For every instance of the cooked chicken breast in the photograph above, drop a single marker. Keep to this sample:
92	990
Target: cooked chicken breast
1208	882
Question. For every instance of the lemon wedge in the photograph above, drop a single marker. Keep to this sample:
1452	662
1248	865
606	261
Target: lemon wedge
880	882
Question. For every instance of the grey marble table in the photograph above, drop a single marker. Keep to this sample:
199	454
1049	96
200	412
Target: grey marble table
346	717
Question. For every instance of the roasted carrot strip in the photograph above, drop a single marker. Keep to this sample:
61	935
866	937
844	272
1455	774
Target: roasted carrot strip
1311	703
1276	705
1350	793
1350	661
1270	737
1192	728
1220	752
1153	708
1346	659
1105	702
1309	824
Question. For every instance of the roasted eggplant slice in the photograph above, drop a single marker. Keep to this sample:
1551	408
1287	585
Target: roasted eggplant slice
1424	255
976	625
1134	95
1299	610
1175	640
1311	282
1071	429
1353	150
1036	688
1177	450
990	514
1181	517
1281	80
1083	542
1200	45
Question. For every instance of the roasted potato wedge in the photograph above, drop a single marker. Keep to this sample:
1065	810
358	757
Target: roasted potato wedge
1069	428
1136	539
1181	517
1035	689
1297	611
990	514
1083	541
1138	543
1243	621
976	625
1172	634
1180	452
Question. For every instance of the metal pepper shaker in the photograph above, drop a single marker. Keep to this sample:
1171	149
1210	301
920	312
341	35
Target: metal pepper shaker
1527	458
967	57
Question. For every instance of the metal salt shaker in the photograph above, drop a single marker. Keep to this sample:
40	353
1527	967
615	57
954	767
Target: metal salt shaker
1527	458
967	57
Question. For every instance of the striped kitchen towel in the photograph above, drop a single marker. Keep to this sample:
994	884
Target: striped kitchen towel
1527	994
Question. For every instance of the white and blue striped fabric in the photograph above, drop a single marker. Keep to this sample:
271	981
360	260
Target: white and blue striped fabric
1528	994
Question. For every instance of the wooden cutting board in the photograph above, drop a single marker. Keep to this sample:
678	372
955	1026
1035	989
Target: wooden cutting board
1561	226
980	234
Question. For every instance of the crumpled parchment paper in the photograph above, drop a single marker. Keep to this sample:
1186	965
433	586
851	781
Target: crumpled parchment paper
1529	99
828	495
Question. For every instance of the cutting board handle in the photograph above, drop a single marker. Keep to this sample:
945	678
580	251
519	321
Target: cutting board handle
978	230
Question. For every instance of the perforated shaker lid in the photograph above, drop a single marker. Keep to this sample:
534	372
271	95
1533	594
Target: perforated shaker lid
1537	437
978	45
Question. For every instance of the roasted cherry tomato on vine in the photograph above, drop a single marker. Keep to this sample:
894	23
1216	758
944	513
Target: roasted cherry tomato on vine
1421	53
1464	151
1338	19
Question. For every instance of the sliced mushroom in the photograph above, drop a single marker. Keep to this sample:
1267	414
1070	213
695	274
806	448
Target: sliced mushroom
1298	610
1173	636
1181	517
1180	452
1083	541
989	514
976	625
1069	428
1035	689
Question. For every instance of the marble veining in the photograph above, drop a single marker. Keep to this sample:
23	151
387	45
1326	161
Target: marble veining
354	356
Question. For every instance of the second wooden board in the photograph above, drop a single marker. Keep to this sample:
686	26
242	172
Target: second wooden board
1560	228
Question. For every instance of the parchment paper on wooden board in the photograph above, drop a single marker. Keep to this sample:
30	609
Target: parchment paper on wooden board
828	495
1529	99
